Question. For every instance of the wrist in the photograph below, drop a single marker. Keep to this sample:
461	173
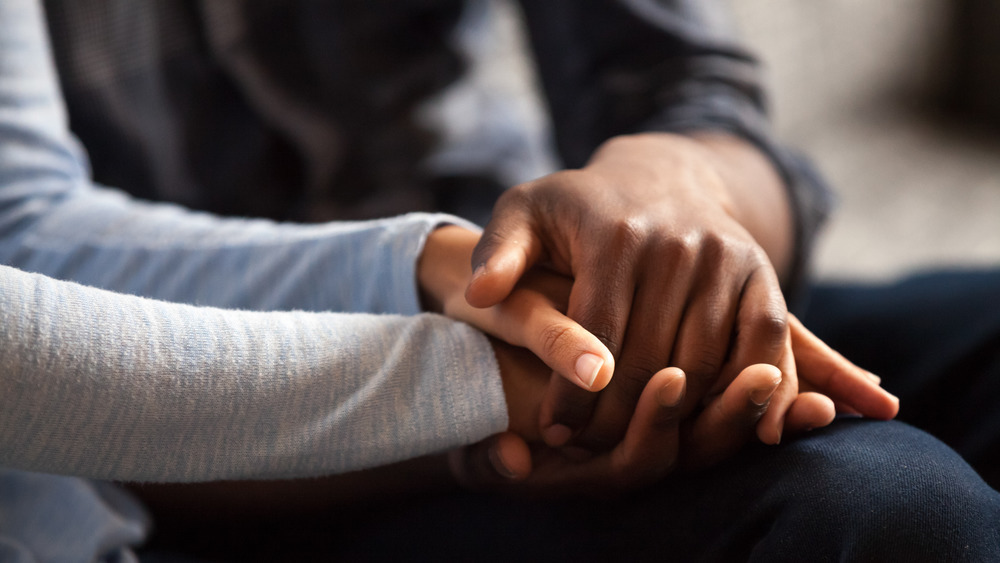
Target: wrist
666	158
444	267
524	378
759	195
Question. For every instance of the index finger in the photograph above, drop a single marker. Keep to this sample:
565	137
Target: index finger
600	302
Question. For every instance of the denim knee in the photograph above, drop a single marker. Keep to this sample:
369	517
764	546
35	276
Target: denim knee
878	491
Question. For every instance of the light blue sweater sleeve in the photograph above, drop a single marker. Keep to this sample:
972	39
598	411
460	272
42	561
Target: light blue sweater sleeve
222	362
112	386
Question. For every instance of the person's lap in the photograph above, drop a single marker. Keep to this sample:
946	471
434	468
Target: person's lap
859	489
934	338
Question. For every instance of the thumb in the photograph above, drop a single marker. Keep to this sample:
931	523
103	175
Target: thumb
509	246
498	460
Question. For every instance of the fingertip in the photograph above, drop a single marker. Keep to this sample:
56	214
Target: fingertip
892	407
881	405
497	268
485	288
769	378
593	371
557	435
769	434
586	370
672	389
808	412
510	457
768	370
872	377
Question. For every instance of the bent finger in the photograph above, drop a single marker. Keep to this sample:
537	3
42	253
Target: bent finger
650	447
772	424
661	296
509	246
808	412
761	326
499	460
600	302
532	321
730	420
647	452
531	318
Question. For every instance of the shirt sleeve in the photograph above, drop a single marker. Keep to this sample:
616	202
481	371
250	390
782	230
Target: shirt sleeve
110	386
611	67
103	384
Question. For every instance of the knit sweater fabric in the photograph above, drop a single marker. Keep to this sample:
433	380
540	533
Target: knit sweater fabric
142	341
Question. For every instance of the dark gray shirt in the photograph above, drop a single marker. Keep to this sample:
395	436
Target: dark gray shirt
305	109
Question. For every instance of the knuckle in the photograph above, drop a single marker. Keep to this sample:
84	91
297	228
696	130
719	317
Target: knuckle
556	339
516	199
770	323
640	367
714	246
521	193
758	256
627	235
681	251
604	324
705	363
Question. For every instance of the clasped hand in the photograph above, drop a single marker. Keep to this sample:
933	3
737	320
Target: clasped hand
686	303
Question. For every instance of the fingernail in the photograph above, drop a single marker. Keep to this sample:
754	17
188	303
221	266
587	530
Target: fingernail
874	378
672	392
479	272
587	367
557	435
498	464
760	397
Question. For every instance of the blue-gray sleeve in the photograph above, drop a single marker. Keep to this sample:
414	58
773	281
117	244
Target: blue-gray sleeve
54	221
611	67
111	386
104	384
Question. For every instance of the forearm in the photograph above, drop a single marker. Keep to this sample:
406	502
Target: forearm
117	387
104	239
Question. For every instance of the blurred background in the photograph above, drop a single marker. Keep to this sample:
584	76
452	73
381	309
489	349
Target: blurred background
897	101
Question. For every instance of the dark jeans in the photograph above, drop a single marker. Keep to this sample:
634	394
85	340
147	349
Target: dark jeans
858	490
935	341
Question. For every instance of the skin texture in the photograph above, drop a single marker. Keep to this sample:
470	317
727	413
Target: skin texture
657	440
676	246
659	434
